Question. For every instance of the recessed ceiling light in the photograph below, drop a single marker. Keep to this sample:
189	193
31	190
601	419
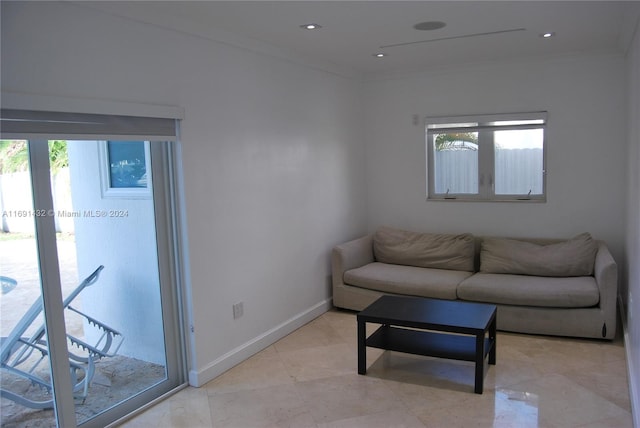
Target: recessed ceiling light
380	55
310	26
429	25
547	35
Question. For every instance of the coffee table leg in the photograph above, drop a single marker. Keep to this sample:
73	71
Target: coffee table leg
479	363
492	339
362	350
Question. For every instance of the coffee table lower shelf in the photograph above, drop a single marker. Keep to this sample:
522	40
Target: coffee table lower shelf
431	344
427	343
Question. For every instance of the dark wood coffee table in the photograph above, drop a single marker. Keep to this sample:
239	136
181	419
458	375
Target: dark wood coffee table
448	329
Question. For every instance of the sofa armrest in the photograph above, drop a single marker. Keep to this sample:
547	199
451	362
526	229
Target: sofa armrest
351	255
606	275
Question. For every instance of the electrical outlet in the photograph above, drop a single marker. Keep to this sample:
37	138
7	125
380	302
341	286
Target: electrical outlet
238	310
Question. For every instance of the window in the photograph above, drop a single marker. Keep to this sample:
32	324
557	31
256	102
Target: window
127	163
124	167
487	158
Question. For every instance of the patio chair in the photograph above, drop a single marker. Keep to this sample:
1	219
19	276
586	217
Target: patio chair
7	283
22	356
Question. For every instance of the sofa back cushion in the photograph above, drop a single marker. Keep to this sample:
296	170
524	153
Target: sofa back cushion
573	257
429	250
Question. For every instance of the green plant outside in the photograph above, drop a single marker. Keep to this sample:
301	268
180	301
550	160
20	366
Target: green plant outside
452	140
14	156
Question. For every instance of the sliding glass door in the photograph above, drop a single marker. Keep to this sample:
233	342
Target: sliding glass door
26	387
90	317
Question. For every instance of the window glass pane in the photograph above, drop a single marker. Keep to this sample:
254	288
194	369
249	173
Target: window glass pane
519	162
120	314
127	164
455	163
25	377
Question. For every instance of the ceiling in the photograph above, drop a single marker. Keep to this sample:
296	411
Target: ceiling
353	31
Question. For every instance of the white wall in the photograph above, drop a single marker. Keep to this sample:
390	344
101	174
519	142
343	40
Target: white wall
633	224
272	154
586	157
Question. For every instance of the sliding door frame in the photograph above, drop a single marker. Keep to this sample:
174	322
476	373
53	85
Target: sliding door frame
104	120
170	271
50	283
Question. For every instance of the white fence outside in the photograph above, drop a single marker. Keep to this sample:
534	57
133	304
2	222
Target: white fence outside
516	171
16	203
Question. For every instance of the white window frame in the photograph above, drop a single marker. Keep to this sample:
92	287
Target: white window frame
109	192
484	125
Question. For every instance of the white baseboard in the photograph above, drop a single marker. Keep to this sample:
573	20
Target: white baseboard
214	369
634	393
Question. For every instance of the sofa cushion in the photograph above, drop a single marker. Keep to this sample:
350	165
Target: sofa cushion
427	250
568	292
573	257
410	280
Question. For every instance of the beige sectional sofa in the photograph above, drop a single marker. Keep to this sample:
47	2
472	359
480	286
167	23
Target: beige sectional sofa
540	286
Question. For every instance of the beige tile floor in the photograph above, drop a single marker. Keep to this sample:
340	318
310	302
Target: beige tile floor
309	379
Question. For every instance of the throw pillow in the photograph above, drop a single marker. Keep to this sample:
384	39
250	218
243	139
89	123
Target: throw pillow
438	251
573	257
